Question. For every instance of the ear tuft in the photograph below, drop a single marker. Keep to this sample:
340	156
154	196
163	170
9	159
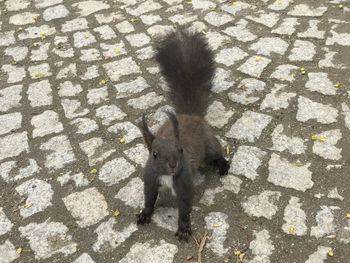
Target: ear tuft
146	133
174	122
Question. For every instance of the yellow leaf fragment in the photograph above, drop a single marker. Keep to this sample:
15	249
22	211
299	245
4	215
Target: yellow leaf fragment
228	150
314	137
340	6
299	163
103	81
257	58
241	257
122	140
331	253
216	225
347	216
19	29
35	18
116	213
118	51
35	44
93	171
292	230
203	32
321	138
237	252
19	250
43	36
338	85
302	71
189	2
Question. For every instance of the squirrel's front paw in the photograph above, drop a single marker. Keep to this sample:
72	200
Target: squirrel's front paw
183	232
223	166
143	218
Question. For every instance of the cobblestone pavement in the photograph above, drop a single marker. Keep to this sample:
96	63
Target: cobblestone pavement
76	77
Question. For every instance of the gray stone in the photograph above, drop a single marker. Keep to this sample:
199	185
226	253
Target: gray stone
15	74
166	217
5	224
325	222
40	93
230	56
123	67
138	154
245	91
282	142
10	122
36	32
14	144
40	71
23	18
146	101
287	27
319	256
218	115
41	235
216	221
254	67
295	218
97	95
138	40
46	123
151	252
15	170
249	127
115	170
262	205
75	25
268	45
305	10
84	125
38	196
59	152
285	72
129	88
132	194
277	99
126	131
319	82
8	252
312	31
89	7
286	174
302	51
10	97
327	149
246	160
96	150
78	179
217	19
266	19
84	258
83	39
88	207
308	110
109	113
261	247
73	109
240	31
108	238
55	12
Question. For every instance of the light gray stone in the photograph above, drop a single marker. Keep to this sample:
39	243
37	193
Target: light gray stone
308	110
13	144
79	179
109	113
287	27
166	217
240	31
254	67
108	238
302	51
143	8
40	71
59	152
327	149
115	171
249	127
285	72
262	205
41	235
16	170
46	123
88	207
246	160
122	67
84	125
295	218
74	25
126	89
277	99
8	252
83	39
96	150
312	31
7	38
125	27
16	5
268	45
245	91
151	252
97	95
17	53
73	109
89	7
105	32
38	196
10	97
319	256
220	82
23	18
55	12
319	82
216	221
91	54
325	222
217	114
132	194
146	101
126	130
286	174
15	74
217	19
266	19
36	32
10	122
5	223
84	258
305	10
40	93
261	247
230	56
282	142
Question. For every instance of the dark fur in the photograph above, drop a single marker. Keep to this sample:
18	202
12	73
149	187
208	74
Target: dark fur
185	140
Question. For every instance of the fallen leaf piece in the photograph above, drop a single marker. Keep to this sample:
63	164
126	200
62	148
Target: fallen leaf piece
292	230
237	253
338	85
93	171
340	6
118	51
331	236
347	216
103	81
228	150
331	253
241	257
257	58
43	36
216	225
299	163
321	138
19	250
122	140
116	213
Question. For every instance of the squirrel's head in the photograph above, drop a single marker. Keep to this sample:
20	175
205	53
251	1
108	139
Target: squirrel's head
165	154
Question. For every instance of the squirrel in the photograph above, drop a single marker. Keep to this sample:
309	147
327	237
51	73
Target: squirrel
185	140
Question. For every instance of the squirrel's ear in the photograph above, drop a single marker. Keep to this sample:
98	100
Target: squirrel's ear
147	134
174	122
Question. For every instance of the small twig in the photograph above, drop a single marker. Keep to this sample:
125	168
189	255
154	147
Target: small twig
195	240
201	247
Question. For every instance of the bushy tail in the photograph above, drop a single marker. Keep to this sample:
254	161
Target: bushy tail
187	64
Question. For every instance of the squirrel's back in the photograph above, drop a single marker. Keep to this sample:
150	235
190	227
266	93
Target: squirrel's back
187	64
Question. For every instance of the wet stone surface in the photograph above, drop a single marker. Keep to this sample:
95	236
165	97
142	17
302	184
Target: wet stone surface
75	78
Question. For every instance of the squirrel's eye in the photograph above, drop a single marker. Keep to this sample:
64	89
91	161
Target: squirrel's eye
155	154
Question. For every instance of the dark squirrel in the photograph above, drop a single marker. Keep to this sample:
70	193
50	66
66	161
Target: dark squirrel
185	140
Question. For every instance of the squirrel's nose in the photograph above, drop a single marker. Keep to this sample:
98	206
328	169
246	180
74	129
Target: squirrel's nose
172	163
